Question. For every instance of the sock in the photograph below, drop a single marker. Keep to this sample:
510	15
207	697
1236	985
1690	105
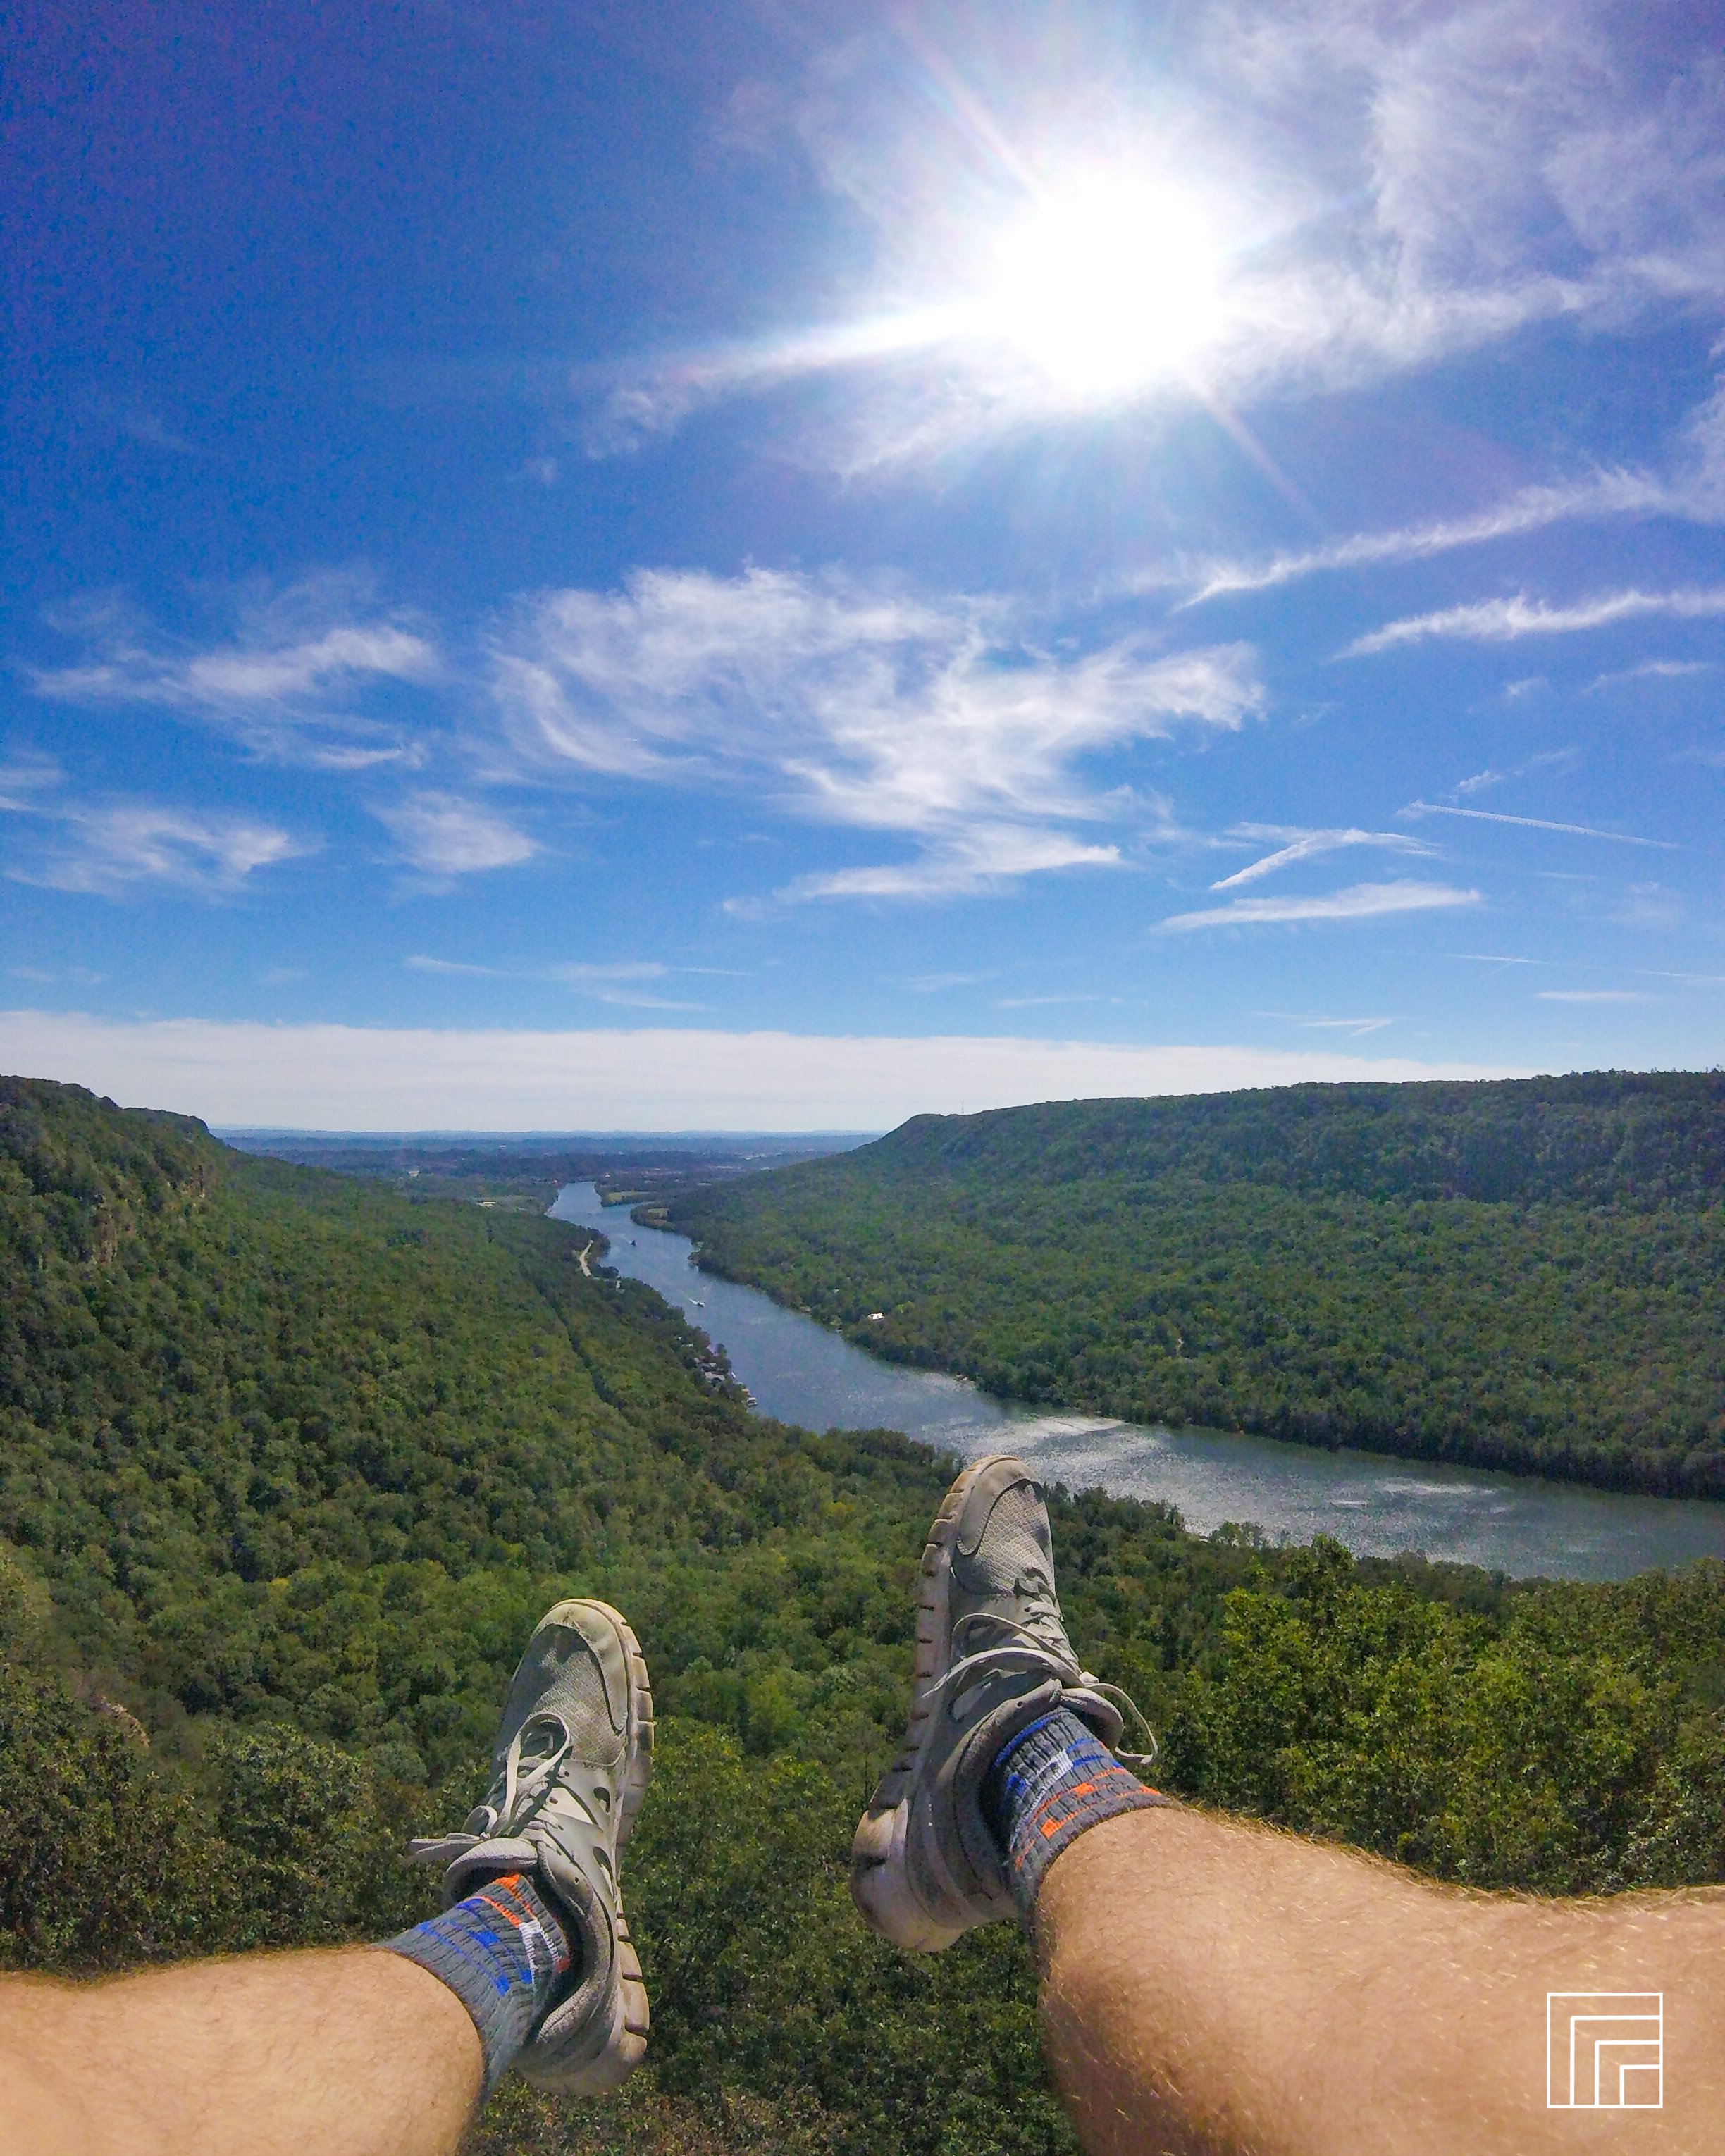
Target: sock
504	1953
1048	1785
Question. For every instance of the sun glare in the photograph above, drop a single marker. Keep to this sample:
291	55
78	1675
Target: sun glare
1107	285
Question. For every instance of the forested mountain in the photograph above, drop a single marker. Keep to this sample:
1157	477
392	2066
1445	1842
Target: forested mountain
290	1464
1524	1274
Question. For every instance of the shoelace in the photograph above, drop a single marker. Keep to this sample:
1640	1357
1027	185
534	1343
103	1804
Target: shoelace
1030	1651
517	1787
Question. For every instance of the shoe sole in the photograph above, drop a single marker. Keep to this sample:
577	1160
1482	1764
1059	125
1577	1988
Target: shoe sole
880	1883
630	2019
639	1733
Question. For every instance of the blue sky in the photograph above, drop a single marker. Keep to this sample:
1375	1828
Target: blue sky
657	566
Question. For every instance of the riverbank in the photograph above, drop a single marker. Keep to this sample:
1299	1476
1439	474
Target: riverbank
1376	1505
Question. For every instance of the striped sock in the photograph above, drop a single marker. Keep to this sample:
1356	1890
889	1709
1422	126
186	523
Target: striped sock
1052	1782
504	1954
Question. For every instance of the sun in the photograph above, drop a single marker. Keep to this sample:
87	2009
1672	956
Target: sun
1106	285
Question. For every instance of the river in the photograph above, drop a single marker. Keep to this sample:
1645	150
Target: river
801	1371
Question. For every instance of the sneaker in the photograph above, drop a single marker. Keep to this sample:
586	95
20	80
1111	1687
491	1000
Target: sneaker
568	1774
991	1657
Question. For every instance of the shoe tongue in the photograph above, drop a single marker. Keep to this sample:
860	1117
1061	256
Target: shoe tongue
568	1710
1012	1543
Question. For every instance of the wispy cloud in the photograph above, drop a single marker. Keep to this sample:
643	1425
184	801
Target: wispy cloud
287	680
1501	621
1363	902
108	850
1594	996
621	984
934	984
444	835
1304	845
1652	670
1692	488
1539	824
970	861
1357	1027
1552	759
934	718
25	781
1531	508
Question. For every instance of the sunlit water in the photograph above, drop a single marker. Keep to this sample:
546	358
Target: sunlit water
802	1373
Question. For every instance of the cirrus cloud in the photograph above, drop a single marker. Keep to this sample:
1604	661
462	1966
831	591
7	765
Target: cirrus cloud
1303	845
859	706
444	835
109	849
285	680
1502	621
1361	901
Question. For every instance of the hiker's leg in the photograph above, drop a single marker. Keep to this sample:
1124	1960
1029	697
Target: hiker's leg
1212	1986
385	2051
350	2053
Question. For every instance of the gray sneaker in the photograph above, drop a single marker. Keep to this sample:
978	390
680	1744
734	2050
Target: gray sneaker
569	1771
991	1657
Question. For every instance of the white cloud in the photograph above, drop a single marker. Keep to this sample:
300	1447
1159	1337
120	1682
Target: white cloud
1302	845
618	984
109	849
1693	490
933	984
1651	669
858	707
285	681
1532	509
1501	621
1539	824
1549	759
1361	901
1357	1027
444	835
1594	996
25	780
969	861
333	1077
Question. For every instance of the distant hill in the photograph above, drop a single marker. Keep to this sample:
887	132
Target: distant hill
1523	1274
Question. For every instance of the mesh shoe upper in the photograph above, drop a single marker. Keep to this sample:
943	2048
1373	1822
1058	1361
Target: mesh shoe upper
569	1771
992	1656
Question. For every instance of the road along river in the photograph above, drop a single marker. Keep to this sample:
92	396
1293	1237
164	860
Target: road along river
800	1372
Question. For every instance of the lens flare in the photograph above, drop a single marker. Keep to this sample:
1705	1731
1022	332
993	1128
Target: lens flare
1105	286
